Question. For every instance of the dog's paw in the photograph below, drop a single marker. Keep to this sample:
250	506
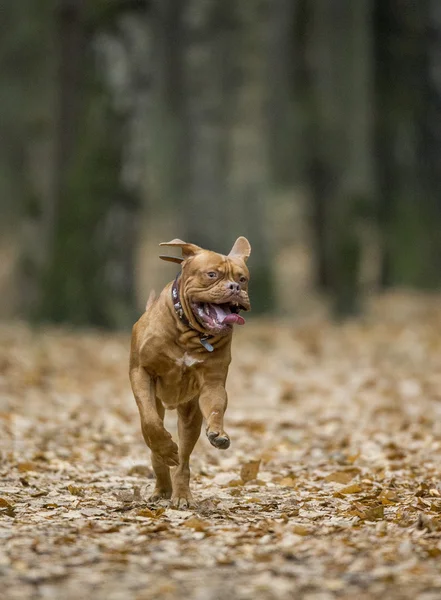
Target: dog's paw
160	494
182	499
167	452
219	440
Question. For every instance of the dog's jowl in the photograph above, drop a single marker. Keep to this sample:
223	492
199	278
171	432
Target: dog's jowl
181	350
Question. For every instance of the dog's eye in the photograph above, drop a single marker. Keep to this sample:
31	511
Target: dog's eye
212	274
242	279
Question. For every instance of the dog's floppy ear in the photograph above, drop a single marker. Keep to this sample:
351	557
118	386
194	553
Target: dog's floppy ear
241	249
175	259
187	250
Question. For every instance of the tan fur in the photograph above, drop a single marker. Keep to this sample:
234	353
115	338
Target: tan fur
170	368
151	299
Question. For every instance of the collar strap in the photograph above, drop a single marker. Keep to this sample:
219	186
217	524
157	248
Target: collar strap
203	338
177	303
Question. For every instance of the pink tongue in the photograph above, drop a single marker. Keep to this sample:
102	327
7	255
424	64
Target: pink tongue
234	318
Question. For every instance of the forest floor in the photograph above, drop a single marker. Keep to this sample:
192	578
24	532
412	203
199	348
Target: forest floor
331	487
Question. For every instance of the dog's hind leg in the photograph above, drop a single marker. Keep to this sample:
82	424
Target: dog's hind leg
164	450
189	428
163	487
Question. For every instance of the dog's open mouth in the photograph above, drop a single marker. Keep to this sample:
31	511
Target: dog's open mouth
217	317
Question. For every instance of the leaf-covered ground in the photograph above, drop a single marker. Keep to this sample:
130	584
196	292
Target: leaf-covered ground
344	503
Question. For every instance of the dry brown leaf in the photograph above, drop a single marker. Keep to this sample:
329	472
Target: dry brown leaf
145	512
140	471
355	488
196	524
368	513
301	530
235	483
287	482
152	514
368	543
249	470
154	528
288	393
388	497
24	467
342	476
429	523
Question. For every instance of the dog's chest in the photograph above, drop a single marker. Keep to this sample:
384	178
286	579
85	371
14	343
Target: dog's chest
187	361
182	381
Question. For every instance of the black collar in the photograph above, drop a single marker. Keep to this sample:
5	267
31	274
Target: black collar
181	315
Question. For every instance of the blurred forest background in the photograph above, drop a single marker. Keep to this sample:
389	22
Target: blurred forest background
310	126
313	127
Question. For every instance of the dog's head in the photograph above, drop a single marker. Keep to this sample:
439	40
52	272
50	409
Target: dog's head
214	287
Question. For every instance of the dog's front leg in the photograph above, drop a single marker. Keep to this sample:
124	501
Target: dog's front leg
157	438
213	402
189	428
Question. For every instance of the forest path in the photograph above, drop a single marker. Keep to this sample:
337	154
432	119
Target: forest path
345	502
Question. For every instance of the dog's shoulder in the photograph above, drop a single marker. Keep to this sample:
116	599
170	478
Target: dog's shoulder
151	300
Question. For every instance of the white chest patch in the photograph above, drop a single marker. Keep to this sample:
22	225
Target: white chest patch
188	361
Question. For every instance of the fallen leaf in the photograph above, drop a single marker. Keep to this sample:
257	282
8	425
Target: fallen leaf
388	497
368	513
145	512
24	467
301	530
287	482
355	488
196	524
140	471
342	476
249	470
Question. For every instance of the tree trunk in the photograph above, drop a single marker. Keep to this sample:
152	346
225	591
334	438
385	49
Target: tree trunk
430	145
89	280
210	97
249	175
168	155
26	144
340	164
213	182
283	122
402	151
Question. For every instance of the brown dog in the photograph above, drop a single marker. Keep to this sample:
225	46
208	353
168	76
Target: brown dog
180	356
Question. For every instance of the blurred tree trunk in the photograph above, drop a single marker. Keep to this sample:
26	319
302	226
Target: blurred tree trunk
209	146
387	65
90	275
430	148
72	45
168	155
250	178
209	105
404	151
340	168
26	142
283	118
192	100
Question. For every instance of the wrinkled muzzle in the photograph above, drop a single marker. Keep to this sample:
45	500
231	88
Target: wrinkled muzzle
217	311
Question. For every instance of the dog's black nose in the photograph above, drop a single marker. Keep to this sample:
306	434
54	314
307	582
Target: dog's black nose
234	287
